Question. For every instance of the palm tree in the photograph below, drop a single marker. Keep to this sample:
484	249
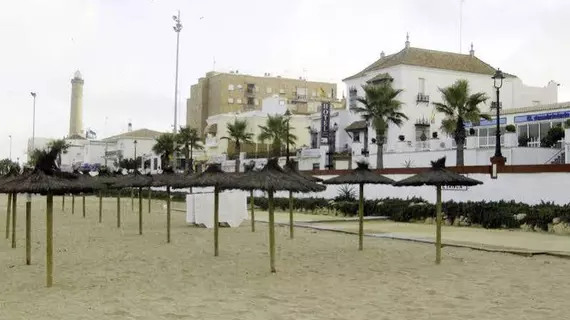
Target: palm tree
165	146
380	108
459	106
190	141
61	146
237	133
275	130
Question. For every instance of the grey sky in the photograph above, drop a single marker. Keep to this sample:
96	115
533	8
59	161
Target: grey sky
125	50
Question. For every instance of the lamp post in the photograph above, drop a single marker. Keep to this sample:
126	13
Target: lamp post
497	159
135	155
34	122
365	149
287	119
332	146
10	137
177	28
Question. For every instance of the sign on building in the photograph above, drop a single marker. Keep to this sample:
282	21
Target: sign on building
325	121
456	188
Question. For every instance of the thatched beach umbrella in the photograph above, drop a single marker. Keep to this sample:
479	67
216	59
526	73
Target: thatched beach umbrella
13	172
291	168
437	176
166	179
213	176
45	180
361	175
106	179
135	180
272	178
248	167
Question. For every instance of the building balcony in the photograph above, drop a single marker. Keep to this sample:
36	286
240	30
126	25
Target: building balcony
299	98
211	142
494	105
422	98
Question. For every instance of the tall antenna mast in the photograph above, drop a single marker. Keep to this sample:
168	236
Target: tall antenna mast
214	63
460	22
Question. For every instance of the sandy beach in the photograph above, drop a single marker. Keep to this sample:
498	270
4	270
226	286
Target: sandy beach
102	272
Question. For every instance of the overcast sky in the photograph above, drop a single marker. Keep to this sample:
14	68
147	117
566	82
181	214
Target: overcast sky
125	50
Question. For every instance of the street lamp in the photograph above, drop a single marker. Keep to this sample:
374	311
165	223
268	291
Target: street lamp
332	146
34	122
287	119
177	28
135	155
497	159
10	136
365	149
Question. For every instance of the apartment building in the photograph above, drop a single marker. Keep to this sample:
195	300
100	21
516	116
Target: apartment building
219	93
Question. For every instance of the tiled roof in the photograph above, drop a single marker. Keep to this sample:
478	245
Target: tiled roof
138	134
430	59
356	126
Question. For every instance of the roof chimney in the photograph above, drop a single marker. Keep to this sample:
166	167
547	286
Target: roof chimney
472	52
382	54
130	127
407	40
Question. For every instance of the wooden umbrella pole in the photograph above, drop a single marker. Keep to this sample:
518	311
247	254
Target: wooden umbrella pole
149	198
132	199
252	205
438	227
100	206
8	215
49	240
216	219
291	215
167	214
63	202
28	232
83	196
118	208
14	200
361	217
271	232
72	204
140	211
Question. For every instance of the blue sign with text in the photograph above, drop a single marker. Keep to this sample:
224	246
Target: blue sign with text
485	122
543	116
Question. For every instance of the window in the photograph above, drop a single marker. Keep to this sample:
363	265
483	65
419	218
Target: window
316	166
421	85
356	137
239	87
314	93
281	102
250	101
230	100
256	102
268	90
238	101
231	87
281	91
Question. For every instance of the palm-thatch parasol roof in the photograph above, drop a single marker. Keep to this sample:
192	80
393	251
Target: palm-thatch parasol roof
361	175
437	175
291	168
13	172
168	178
134	180
273	178
213	176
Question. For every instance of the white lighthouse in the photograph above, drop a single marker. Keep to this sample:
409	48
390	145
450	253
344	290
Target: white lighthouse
76	113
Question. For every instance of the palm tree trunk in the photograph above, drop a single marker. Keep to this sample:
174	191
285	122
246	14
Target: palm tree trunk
186	159
191	165
380	151
460	161
238	151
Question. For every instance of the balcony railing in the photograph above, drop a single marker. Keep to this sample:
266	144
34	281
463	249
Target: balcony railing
421	97
494	105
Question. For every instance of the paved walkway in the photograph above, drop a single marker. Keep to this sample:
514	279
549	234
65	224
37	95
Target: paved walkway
512	241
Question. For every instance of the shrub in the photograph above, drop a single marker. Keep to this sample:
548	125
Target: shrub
401	137
345	193
523	141
511	128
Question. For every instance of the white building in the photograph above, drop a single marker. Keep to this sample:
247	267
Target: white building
420	73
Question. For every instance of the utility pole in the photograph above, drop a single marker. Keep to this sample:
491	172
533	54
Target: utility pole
10	136
34	122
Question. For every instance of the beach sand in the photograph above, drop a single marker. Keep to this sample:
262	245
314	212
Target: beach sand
102	272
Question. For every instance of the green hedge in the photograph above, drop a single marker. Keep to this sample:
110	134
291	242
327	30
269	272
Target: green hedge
492	215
